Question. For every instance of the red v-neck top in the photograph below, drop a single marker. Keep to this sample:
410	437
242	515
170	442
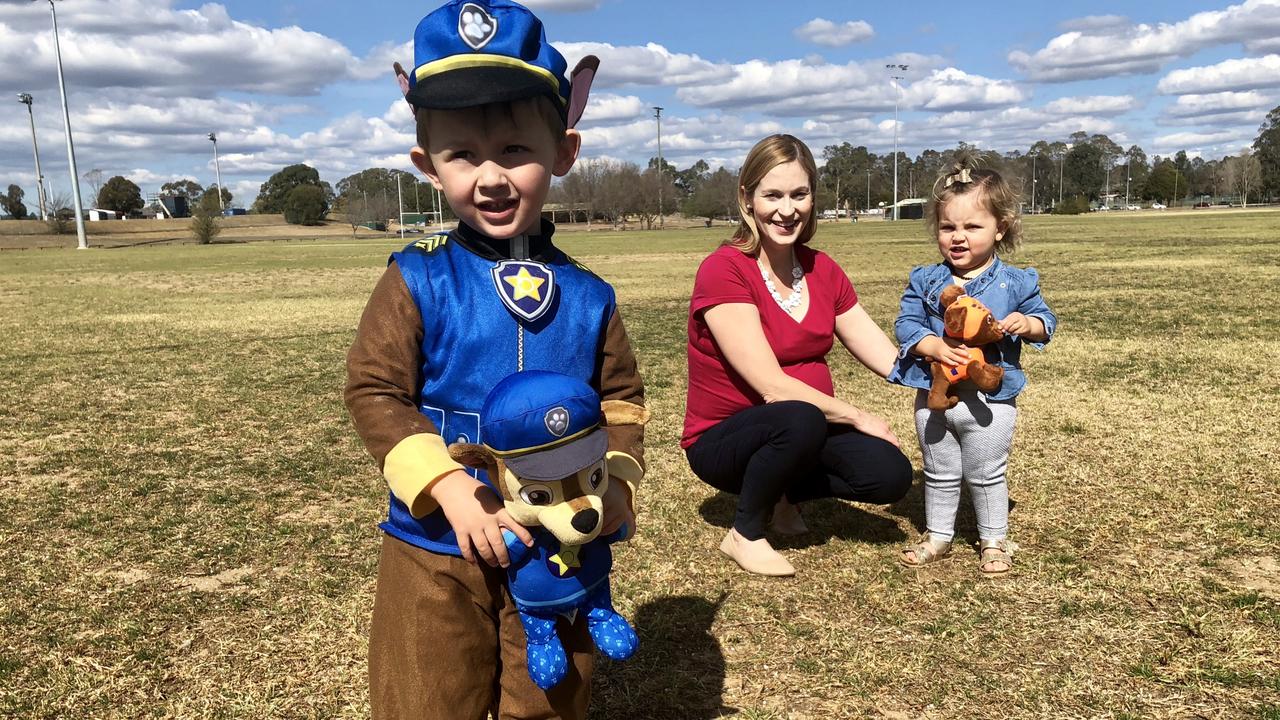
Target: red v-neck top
716	390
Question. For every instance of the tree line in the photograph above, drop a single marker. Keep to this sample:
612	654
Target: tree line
1085	169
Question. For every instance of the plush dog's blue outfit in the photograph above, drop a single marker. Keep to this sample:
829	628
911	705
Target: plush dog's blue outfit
546	426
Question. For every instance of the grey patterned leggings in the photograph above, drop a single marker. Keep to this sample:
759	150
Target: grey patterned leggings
969	442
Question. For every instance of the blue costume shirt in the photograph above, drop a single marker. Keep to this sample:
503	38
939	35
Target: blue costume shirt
472	338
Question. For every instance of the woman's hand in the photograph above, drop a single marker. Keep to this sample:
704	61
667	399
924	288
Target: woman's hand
478	517
945	350
868	424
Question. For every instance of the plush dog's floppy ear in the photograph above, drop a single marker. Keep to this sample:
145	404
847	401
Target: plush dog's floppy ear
580	87
621	412
472	455
950	295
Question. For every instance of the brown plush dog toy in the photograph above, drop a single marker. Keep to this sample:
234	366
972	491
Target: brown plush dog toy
969	321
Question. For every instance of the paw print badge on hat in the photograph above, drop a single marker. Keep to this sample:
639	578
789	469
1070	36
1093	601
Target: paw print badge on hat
475	26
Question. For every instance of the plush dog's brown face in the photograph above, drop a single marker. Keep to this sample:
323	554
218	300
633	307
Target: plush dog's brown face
571	508
967	319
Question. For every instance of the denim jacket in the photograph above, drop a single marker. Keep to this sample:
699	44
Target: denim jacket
1002	288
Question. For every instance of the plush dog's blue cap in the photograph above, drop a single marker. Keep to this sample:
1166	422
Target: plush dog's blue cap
544	425
475	52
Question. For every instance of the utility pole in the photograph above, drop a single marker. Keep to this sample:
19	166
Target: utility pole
400	203
216	168
1061	159
896	96
1033	184
25	99
1128	178
82	241
868	189
657	113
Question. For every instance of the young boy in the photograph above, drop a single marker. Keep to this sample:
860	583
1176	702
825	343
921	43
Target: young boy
452	315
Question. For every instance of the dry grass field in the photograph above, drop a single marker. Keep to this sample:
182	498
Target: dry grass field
188	520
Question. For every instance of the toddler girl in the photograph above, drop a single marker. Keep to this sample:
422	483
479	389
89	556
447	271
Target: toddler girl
973	216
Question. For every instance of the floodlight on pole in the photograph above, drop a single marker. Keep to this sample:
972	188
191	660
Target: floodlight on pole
26	99
896	96
657	113
213	137
82	241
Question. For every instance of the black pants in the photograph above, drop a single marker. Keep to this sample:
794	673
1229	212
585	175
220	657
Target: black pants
788	448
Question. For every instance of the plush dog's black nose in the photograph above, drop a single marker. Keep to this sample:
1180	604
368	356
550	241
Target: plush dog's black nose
585	520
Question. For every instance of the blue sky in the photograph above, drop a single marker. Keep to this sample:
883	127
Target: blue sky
285	82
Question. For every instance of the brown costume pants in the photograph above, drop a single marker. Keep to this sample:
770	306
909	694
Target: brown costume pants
447	643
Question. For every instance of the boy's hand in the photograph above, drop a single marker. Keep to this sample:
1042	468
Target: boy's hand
617	509
476	513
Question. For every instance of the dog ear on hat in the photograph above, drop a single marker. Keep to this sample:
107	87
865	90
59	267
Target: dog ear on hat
580	87
402	78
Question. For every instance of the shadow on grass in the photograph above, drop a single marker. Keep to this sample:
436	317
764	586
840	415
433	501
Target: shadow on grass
826	519
678	672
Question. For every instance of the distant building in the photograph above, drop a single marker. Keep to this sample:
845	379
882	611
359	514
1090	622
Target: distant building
234	211
98	215
909	209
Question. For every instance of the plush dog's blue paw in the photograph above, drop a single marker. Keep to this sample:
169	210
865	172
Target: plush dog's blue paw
612	634
547	664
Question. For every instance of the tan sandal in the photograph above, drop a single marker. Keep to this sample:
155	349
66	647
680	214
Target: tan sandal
996	551
925	552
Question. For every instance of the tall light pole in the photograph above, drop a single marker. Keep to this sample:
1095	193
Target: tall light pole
1033	184
657	113
1128	178
213	137
25	99
896	94
1061	159
868	189
82	241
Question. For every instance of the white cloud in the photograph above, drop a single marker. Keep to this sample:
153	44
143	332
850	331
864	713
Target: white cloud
1236	74
652	64
608	109
1094	105
1137	49
805	88
1196	139
1200	105
821	31
143	44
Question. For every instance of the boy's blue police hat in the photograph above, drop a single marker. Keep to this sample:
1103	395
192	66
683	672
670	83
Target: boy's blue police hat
543	425
474	52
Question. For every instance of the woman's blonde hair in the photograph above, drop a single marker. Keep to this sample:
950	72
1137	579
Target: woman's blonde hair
999	197
768	154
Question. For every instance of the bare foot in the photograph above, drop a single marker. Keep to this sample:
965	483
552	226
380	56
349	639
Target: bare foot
787	520
755	556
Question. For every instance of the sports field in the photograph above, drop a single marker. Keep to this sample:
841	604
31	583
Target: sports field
188	519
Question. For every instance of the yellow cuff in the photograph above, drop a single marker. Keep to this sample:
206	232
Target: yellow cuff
413	466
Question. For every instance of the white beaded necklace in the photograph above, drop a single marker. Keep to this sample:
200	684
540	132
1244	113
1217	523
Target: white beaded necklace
797	286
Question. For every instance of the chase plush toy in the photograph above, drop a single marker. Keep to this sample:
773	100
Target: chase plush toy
969	321
544	447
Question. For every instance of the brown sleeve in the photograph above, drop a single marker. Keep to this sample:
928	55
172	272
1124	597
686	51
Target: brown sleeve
620	380
382	368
